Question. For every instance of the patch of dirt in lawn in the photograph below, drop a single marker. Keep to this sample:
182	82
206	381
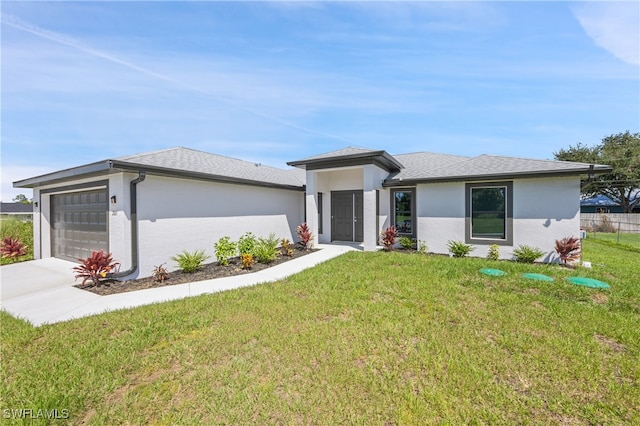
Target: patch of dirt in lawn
207	272
612	344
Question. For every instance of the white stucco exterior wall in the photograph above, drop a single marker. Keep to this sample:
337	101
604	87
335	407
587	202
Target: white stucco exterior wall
440	212
181	214
373	177
544	210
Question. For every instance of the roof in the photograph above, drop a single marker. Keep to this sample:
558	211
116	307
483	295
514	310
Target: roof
418	167
213	165
16	208
427	167
350	156
181	162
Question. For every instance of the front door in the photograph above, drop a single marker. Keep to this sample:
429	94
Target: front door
347	211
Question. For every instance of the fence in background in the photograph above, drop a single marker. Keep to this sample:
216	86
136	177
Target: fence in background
622	228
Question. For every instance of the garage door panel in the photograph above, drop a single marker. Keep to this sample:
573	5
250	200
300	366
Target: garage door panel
79	224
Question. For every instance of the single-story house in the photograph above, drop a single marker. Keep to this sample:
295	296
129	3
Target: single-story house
148	207
20	211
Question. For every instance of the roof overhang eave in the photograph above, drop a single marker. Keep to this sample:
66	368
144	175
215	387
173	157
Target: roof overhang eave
168	172
380	158
497	176
115	166
87	170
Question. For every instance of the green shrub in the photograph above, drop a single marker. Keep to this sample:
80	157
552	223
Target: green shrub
22	231
494	252
459	249
247	243
190	262
225	249
266	249
423	247
406	242
526	254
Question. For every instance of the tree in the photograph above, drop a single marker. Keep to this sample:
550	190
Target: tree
620	151
21	198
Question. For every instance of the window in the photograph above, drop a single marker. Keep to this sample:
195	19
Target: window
403	201
489	213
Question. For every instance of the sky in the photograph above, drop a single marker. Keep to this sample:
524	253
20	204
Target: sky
272	82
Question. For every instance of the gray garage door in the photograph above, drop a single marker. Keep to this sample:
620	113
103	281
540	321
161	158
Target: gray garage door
79	224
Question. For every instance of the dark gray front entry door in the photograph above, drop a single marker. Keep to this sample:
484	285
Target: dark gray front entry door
79	224
347	216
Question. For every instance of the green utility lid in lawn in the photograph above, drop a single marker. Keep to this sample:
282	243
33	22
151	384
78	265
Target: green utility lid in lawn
587	282
538	277
492	272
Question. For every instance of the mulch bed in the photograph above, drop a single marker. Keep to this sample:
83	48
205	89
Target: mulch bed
207	272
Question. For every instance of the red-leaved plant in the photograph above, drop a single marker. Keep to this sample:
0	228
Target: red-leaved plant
12	248
305	235
95	267
388	237
568	249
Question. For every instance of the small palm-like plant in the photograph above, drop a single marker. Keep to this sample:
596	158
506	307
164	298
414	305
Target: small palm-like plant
527	254
190	261
95	267
266	249
459	248
388	237
568	249
12	248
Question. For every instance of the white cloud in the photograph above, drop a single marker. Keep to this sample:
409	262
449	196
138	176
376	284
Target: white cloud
614	26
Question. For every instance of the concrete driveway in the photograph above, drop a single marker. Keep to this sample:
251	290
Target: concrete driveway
26	278
42	291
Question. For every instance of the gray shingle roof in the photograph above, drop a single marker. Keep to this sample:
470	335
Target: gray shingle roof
350	150
438	167
191	160
423	164
406	168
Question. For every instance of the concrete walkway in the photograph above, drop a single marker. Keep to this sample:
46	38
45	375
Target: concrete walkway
42	292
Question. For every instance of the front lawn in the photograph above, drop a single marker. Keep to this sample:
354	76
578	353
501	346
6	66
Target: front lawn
367	338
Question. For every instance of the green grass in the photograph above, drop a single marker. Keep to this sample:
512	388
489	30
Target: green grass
629	239
367	338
